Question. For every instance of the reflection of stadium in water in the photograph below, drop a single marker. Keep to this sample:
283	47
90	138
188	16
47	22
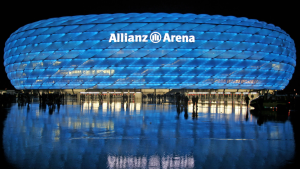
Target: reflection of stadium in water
168	161
121	135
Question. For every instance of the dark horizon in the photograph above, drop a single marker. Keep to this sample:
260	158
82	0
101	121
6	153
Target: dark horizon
282	15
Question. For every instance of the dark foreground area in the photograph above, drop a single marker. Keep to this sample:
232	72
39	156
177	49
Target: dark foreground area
93	134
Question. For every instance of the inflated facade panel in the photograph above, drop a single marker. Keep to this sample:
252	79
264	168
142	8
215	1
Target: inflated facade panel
91	51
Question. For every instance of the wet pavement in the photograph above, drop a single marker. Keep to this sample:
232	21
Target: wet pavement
143	135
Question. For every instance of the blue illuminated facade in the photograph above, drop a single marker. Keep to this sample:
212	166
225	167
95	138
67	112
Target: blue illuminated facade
90	52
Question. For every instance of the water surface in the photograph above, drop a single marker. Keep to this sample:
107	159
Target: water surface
141	135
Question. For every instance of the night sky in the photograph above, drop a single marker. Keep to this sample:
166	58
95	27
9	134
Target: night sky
284	14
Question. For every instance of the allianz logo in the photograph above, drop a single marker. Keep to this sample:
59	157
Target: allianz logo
155	37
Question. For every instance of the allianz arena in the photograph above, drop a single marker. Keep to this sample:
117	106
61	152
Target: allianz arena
149	51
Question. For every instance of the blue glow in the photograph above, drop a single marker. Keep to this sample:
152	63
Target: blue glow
49	48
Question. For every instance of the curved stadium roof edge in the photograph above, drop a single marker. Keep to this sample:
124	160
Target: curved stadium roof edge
157	15
194	52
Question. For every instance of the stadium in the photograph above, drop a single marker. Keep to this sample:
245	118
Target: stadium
142	51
